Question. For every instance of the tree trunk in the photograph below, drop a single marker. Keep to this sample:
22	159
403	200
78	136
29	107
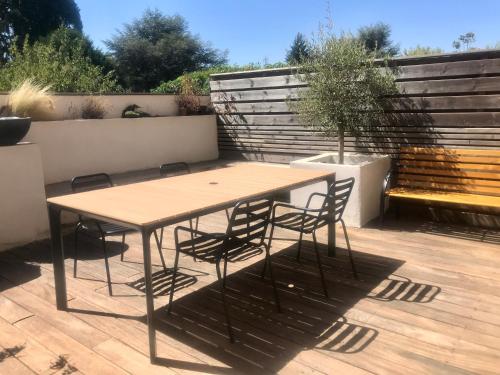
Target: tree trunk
341	146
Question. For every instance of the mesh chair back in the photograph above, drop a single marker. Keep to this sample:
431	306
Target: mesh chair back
91	182
169	169
249	221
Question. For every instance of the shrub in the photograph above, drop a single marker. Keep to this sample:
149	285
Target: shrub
188	100
93	108
30	100
201	78
61	62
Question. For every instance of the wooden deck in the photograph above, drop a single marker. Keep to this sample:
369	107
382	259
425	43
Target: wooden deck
428	302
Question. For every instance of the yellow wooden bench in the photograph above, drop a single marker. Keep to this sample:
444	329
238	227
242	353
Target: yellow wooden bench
452	176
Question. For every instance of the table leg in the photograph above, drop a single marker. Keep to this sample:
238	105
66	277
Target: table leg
58	257
146	236
331	226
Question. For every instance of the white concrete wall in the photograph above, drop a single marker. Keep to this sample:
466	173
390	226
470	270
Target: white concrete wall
77	147
23	211
70	106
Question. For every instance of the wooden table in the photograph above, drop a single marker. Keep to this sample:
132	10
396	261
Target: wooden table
151	205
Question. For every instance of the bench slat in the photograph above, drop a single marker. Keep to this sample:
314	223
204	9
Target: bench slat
452	158
451	172
439	165
483	190
449	151
449	180
447	197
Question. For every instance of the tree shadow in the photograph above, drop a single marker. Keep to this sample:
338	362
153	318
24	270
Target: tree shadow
11	352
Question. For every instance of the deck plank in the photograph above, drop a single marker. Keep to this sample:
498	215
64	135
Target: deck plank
426	302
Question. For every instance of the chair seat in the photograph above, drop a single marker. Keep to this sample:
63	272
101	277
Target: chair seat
208	248
109	229
298	221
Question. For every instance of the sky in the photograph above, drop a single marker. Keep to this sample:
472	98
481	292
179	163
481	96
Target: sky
262	30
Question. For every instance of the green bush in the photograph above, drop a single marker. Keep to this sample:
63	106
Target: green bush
201	79
60	62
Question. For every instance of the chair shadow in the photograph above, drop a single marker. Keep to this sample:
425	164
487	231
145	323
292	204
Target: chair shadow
399	288
265	339
162	282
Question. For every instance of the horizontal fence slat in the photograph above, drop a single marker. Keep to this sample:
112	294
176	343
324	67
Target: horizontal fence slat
446	101
450	69
256	83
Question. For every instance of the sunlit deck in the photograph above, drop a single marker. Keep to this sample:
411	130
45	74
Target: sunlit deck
428	302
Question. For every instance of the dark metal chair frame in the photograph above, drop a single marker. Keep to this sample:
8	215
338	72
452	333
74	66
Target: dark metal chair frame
307	220
246	229
94	228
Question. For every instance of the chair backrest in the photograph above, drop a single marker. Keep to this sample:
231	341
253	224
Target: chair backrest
90	182
335	201
178	168
249	221
342	191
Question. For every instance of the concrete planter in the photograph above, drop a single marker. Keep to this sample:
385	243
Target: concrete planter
369	172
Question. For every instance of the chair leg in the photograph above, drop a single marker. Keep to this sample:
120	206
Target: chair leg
106	263
123	247
174	277
263	273
158	245
161	238
300	246
75	260
222	282
273	281
196	222
318	258
349	249
192	237
227	215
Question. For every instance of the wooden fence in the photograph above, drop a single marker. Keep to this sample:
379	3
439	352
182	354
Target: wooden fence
446	100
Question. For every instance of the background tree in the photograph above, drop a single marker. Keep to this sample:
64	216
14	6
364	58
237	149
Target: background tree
63	37
377	39
36	18
422	51
61	61
465	40
347	90
156	48
299	50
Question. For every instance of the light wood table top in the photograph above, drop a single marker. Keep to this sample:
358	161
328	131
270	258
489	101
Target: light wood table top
175	198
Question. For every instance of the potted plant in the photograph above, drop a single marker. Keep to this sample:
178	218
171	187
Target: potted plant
26	102
346	94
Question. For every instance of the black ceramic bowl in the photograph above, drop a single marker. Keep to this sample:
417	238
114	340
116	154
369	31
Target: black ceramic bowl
13	129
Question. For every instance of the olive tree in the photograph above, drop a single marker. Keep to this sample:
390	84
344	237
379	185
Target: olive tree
347	89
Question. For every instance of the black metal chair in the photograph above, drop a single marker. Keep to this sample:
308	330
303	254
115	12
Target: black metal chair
246	233
95	228
306	220
167	170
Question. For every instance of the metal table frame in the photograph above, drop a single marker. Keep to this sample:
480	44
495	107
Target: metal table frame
146	231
